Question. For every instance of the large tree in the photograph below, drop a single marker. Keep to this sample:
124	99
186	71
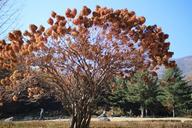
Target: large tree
143	89
82	53
176	93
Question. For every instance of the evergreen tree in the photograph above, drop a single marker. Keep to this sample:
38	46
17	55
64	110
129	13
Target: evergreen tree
118	95
143	89
176	94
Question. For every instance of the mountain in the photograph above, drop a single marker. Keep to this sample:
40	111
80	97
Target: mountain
185	64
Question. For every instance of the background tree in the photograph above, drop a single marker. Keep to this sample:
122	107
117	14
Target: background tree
82	53
143	89
176	94
9	14
27	93
118	95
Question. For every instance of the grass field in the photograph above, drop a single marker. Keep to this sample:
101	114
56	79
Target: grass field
100	124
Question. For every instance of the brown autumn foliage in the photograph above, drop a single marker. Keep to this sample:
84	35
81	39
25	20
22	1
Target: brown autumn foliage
80	54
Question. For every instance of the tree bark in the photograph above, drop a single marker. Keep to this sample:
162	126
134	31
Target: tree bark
130	113
80	122
81	117
173	112
146	112
142	111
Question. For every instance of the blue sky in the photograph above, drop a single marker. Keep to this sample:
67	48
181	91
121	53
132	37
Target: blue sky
174	16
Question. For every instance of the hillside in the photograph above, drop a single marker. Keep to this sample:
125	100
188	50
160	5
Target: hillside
185	64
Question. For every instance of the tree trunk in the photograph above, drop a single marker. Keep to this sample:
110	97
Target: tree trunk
81	117
173	112
142	111
82	122
146	112
130	113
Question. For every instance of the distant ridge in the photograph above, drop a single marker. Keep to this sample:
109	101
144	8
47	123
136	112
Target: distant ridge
185	64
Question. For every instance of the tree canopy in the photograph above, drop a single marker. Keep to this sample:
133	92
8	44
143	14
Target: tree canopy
81	53
176	94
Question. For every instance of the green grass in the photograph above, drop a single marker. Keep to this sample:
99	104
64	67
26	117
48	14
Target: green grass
95	124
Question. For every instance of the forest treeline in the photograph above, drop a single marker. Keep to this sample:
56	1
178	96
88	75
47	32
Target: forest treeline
144	95
147	95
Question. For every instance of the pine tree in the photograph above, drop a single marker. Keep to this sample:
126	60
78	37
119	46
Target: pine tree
118	95
176	94
143	89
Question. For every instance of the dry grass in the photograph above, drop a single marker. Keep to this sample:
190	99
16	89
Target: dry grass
99	124
142	124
